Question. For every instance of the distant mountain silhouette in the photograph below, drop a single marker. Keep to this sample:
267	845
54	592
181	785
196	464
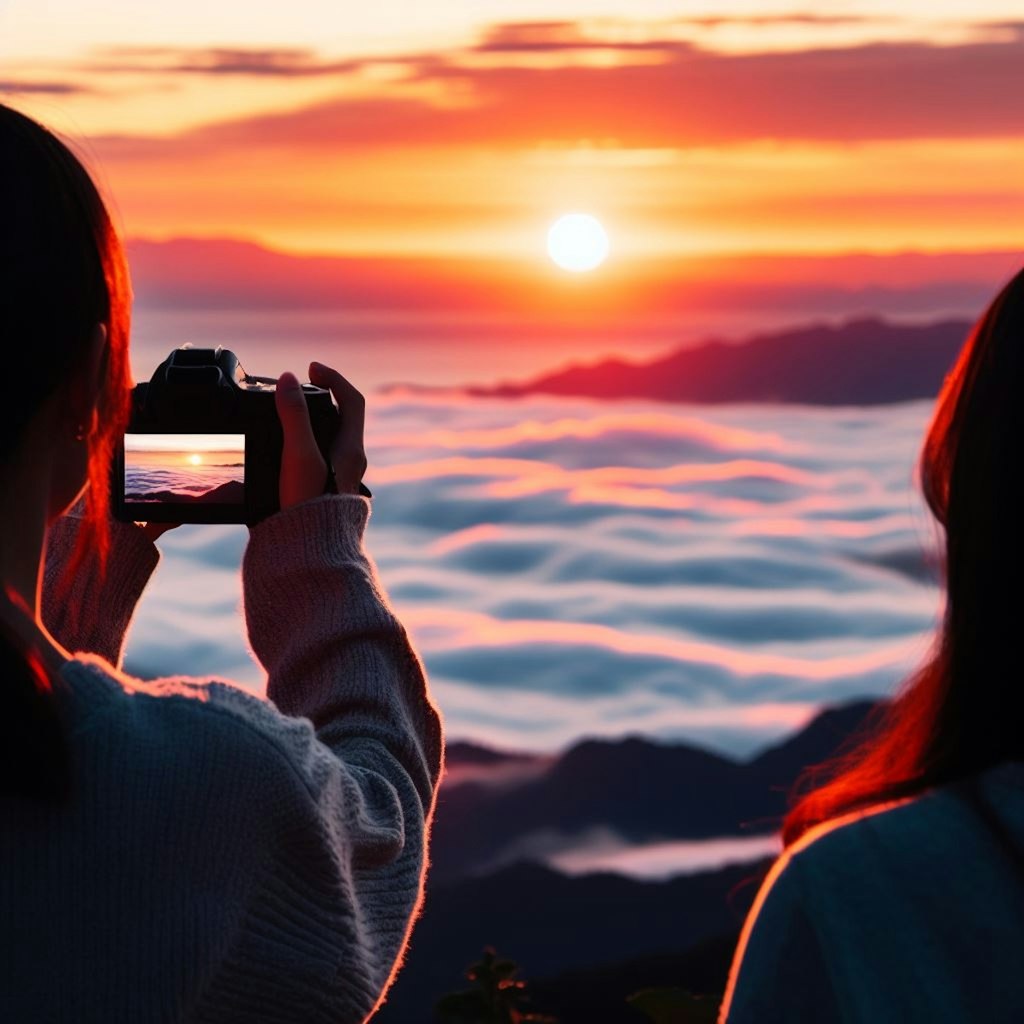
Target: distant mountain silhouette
462	752
599	993
600	935
551	924
862	362
641	789
822	737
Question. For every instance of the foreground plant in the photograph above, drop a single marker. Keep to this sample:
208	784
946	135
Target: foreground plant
497	998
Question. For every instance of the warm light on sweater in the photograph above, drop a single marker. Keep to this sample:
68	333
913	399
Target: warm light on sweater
221	860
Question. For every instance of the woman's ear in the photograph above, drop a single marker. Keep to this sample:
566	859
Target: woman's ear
83	389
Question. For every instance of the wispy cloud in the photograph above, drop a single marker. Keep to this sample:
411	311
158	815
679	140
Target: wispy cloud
11	88
295	62
566	36
602	849
685	96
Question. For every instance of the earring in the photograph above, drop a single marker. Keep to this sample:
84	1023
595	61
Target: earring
80	432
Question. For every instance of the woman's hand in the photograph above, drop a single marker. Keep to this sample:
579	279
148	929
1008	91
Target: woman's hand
303	472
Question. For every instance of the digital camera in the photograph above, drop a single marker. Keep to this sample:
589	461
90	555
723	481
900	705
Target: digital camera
204	443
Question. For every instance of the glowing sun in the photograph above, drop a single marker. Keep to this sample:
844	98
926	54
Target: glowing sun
577	242
196	460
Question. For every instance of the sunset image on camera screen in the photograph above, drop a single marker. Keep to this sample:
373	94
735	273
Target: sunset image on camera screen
184	468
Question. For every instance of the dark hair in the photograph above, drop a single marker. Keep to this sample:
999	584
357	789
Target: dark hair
963	711
62	272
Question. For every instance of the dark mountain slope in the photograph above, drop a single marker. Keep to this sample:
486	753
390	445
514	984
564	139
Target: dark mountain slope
861	362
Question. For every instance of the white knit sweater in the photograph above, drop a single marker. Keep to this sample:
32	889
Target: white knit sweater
225	857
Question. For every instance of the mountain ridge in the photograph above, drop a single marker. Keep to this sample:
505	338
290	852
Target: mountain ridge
870	361
640	789
574	932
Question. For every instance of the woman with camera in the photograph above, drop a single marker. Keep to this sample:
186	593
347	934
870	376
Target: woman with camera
181	849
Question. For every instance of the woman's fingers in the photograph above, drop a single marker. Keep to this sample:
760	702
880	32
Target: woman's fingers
302	466
348	453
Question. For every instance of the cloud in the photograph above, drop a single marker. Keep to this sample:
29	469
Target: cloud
509	38
542	618
501	775
531	36
791	18
610	657
603	849
551	722
693	433
13	88
229	61
677	95
600	33
693	97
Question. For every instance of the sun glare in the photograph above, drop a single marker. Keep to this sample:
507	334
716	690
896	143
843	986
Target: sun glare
577	242
195	459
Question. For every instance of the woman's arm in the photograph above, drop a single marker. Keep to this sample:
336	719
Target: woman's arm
87	613
353	838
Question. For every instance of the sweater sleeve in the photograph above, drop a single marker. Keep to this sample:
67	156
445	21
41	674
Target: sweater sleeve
779	974
347	878
87	612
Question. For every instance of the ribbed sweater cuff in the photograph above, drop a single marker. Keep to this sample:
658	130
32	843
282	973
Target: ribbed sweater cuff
307	581
314	532
133	558
87	612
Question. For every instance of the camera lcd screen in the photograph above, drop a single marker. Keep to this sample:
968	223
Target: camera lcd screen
184	468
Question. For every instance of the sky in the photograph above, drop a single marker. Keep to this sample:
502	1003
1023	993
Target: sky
184	442
836	158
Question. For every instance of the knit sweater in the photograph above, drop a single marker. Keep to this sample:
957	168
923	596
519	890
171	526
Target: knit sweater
227	857
911	913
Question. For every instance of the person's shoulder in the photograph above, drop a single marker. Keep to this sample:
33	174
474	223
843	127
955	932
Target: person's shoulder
908	828
836	836
191	715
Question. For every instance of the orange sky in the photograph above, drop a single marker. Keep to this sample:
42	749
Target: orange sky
742	129
150	459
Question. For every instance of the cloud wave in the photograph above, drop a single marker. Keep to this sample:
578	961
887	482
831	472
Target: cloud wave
790	568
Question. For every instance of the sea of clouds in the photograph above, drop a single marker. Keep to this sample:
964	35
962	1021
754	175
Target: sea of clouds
141	480
571	568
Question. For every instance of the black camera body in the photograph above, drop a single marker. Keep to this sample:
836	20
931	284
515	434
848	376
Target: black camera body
204	443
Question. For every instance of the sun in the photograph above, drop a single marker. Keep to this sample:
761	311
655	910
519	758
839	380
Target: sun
196	460
578	242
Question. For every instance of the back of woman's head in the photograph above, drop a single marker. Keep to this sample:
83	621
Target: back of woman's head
963	711
62	272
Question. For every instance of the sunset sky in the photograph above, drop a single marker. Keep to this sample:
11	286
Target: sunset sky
178	443
375	182
422	149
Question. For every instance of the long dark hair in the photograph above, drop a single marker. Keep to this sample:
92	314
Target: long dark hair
963	710
62	272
